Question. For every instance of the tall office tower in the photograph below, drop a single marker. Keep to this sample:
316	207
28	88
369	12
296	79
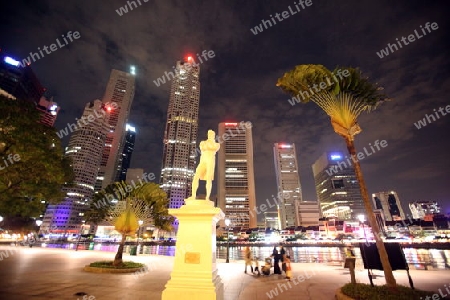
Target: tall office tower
308	213
236	180
85	150
389	204
337	189
180	134
125	160
288	182
119	95
423	209
21	82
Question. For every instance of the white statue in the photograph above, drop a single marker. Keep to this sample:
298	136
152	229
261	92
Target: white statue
205	169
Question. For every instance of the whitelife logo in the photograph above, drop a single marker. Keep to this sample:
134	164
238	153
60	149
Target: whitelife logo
53	47
318	87
430	118
282	16
411	38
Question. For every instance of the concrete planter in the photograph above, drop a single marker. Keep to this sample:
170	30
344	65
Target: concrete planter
88	268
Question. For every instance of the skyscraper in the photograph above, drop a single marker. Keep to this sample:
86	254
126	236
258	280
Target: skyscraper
236	180
337	189
21	82
120	90
128	148
390	205
85	150
180	134
288	183
423	209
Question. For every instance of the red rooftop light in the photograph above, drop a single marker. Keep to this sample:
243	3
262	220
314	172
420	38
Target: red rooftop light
230	124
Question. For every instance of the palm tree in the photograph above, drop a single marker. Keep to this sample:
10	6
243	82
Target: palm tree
343	100
122	205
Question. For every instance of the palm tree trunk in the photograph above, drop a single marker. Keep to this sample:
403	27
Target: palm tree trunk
118	258
389	276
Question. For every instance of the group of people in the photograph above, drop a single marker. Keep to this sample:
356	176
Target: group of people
279	256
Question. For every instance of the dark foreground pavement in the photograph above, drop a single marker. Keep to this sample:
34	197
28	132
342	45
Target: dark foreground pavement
40	273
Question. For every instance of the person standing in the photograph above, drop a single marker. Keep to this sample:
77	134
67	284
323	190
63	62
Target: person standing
248	257
287	263
276	261
256	262
282	258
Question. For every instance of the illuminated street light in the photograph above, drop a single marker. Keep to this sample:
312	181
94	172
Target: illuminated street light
227	223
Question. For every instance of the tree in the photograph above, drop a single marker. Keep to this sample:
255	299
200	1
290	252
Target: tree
343	100
32	166
147	202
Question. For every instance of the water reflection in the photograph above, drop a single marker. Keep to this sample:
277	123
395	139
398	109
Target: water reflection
420	258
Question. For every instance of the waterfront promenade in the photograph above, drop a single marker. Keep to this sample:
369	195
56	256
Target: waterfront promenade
41	273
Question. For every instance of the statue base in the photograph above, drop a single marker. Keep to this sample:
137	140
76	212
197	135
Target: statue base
194	274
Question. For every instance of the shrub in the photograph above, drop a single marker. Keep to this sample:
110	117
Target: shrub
361	291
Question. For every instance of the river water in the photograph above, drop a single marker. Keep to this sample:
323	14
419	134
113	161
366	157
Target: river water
420	258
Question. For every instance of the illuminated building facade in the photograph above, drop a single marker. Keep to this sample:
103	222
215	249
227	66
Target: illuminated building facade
119	91
49	111
337	189
424	209
389	204
128	148
288	183
21	82
308	213
85	150
236	180
180	134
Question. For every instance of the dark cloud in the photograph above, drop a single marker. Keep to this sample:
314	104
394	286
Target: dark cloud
239	82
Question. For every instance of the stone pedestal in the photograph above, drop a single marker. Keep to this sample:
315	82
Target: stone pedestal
194	274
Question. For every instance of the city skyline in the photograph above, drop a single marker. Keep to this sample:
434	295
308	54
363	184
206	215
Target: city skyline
415	162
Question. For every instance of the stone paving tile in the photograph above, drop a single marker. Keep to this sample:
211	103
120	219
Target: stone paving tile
57	274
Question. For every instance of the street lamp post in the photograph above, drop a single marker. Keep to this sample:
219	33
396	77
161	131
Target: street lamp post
227	223
140	222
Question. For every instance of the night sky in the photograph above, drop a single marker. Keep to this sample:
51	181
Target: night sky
238	84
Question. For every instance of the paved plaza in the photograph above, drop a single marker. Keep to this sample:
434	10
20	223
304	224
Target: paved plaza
40	273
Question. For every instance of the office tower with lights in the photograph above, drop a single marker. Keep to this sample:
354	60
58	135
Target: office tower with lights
128	147
389	204
180	134
288	183
49	111
118	96
423	209
21	82
337	189
85	151
236	180
308	213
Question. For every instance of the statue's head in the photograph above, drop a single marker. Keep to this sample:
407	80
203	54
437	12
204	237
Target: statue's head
211	134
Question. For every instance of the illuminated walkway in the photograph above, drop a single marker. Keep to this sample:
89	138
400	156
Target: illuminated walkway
36	273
